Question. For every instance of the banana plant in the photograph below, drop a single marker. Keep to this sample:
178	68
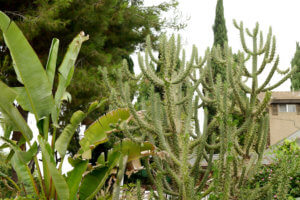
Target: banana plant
39	96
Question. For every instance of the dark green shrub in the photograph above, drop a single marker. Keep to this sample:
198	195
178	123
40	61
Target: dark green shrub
283	175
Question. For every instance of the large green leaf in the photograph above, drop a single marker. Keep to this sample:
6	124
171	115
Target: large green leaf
19	162
22	98
65	137
24	156
75	176
10	112
134	150
7	129
24	174
97	132
51	62
28	155
94	180
66	69
59	181
28	68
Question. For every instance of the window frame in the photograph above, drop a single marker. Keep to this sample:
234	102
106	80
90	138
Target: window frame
287	108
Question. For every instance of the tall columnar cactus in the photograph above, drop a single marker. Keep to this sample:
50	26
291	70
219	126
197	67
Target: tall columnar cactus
238	160
172	122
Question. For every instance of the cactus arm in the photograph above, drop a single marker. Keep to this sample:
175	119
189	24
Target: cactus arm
281	81
268	79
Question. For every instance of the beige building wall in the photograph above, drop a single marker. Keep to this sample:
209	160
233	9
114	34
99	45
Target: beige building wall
283	125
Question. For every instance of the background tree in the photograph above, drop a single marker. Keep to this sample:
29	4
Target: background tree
116	28
220	37
295	78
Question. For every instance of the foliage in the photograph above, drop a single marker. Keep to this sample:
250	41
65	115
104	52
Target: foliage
6	187
220	38
283	174
219	28
296	77
36	96
117	28
171	121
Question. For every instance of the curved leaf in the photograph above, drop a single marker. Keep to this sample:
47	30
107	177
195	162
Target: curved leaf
66	69
24	156
22	98
58	179
97	132
28	68
19	162
7	129
134	150
51	62
94	180
11	113
29	154
64	139
75	176
24	174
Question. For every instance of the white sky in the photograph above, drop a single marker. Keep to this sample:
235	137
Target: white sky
282	16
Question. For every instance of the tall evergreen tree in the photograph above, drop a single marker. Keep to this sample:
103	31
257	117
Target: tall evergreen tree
295	78
219	28
220	37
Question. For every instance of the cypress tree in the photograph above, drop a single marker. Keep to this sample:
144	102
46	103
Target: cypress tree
220	37
295	78
220	31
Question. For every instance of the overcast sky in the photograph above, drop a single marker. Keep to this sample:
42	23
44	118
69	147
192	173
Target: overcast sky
282	16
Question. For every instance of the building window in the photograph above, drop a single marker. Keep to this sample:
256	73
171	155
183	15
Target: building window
287	108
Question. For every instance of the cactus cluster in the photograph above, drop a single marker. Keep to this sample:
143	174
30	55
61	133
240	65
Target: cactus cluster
183	166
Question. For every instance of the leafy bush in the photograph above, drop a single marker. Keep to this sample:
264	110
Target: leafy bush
283	174
6	188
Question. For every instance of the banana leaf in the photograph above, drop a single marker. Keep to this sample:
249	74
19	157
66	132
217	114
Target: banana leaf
59	181
66	69
24	156
24	175
28	69
134	150
11	113
19	162
75	176
65	137
95	179
97	132
51	62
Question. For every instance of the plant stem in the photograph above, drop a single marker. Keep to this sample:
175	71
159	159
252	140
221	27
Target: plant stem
120	176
